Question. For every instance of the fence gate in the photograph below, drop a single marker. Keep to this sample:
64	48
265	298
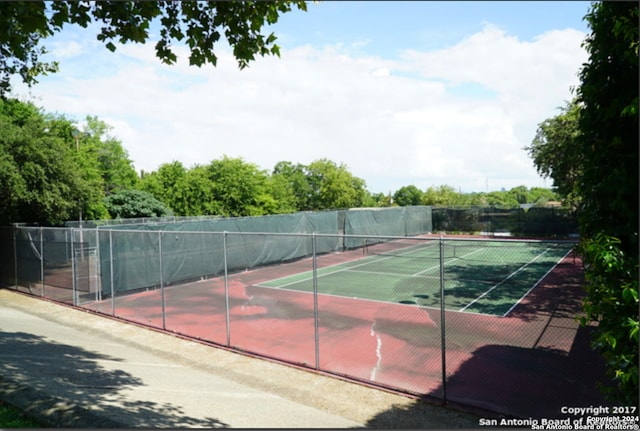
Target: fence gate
86	275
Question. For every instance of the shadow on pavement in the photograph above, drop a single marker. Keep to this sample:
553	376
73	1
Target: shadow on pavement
66	386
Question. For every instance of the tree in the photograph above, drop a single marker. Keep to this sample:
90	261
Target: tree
501	199
135	204
333	186
379	200
408	195
200	25
553	151
283	199
294	178
198	195
240	188
168	185
607	149
519	194
115	167
443	195
540	196
43	177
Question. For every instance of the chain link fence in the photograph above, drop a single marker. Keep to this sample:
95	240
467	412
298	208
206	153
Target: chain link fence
488	323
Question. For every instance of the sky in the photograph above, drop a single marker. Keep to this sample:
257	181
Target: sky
419	93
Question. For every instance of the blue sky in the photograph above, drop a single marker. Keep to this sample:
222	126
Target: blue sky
402	93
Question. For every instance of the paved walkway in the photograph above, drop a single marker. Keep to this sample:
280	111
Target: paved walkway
71	368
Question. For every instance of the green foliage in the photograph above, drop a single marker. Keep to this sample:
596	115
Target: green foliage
11	417
379	200
540	196
200	25
169	185
239	187
135	204
113	163
333	186
553	151
295	182
612	300
40	181
501	199
591	151
607	147
50	172
447	196
408	195
281	199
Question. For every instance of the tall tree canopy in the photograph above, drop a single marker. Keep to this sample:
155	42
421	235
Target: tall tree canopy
553	151
332	186
39	179
607	147
51	172
135	204
408	195
591	151
200	25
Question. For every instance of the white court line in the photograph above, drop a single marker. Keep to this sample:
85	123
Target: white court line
537	283
371	260
321	275
395	274
503	281
438	265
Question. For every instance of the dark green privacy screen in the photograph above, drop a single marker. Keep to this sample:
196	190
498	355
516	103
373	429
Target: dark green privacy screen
147	255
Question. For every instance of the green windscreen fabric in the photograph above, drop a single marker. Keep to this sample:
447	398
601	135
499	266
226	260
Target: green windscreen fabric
397	221
417	220
550	222
28	255
148	255
7	256
535	221
163	252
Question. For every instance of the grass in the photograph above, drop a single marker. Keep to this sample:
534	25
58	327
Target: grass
11	417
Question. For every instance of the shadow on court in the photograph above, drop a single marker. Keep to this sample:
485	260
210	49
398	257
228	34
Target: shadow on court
35	369
509	364
508	381
550	377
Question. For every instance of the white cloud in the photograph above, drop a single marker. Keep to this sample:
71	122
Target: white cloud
393	123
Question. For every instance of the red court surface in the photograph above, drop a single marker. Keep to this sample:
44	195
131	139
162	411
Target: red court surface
527	364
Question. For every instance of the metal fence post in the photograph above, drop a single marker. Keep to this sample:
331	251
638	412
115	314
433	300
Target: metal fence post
226	287
113	293
15	257
42	260
99	269
315	301
443	348
74	269
164	320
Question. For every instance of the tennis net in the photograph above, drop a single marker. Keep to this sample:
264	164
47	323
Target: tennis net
484	250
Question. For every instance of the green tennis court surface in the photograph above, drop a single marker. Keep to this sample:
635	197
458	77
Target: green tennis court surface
479	277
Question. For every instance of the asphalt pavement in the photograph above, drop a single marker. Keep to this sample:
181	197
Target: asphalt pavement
74	369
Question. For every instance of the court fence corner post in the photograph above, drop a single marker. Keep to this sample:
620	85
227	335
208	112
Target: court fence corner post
443	345
42	260
15	257
74	269
226	287
316	332
162	299
111	272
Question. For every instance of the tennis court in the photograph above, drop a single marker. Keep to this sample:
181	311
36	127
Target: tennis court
488	277
366	307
